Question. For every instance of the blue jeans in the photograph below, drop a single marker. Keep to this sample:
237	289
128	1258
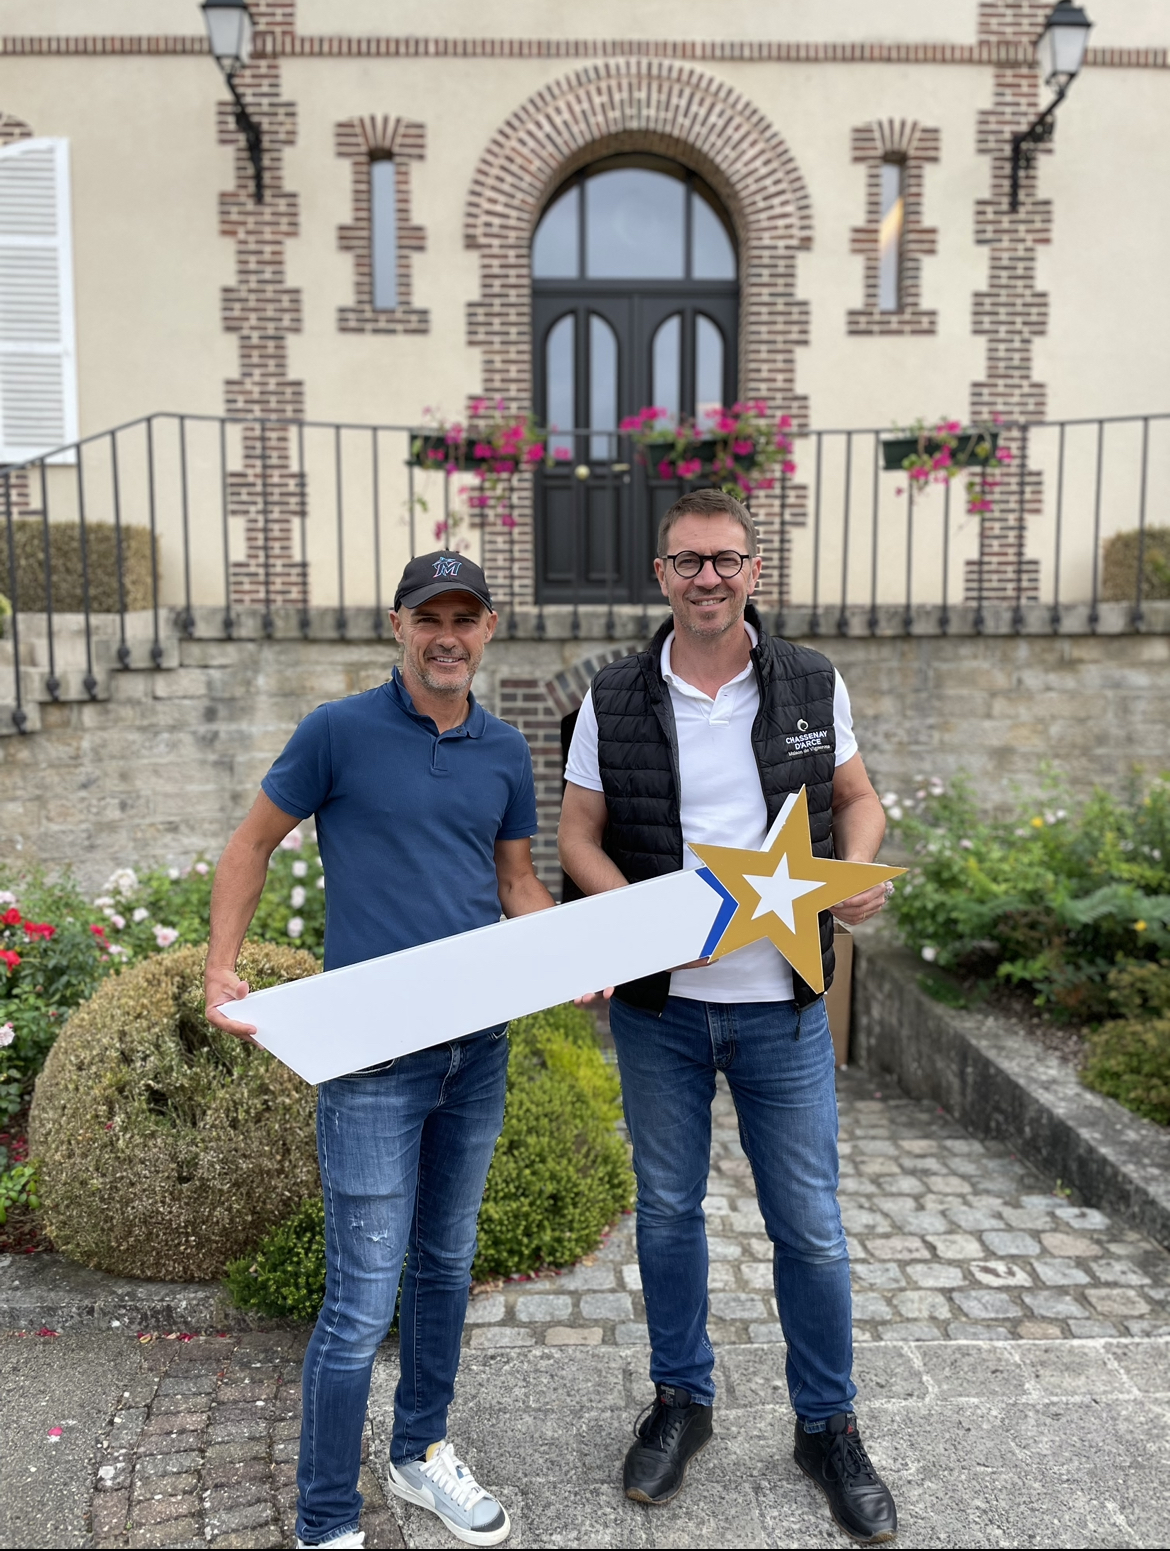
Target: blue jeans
786	1101
404	1151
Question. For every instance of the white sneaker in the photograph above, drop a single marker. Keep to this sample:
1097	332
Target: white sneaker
447	1487
352	1537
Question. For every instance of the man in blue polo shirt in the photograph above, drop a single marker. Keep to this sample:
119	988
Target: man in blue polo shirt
425	808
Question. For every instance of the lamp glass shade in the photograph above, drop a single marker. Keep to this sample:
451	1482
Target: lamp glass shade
229	30
1061	46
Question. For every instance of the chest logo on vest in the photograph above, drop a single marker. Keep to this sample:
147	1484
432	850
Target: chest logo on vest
806	741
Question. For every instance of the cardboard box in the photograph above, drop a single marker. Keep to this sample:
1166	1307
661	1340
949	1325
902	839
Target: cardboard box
839	996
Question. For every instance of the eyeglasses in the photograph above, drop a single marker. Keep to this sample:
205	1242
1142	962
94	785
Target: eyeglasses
688	563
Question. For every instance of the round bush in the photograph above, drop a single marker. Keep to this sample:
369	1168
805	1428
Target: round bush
1129	1059
559	1177
166	1147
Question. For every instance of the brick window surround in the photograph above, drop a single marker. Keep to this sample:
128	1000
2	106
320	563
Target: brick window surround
913	146
674	110
362	141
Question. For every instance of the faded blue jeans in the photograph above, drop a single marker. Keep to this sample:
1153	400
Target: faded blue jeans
786	1101
404	1151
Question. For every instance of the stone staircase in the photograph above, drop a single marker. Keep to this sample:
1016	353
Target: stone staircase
58	669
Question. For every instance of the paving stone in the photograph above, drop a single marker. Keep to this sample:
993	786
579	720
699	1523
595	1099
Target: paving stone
1054	1305
1070	1244
933	1274
721	1275
922	1304
757	1275
1039	1330
898	1247
1059	1273
549	1307
721	1249
615	1305
486	1310
632	1277
1122	1272
633	1333
595	1278
1083	1217
573	1335
1009	1243
162	1510
974	1219
871	1305
910	1332
955	1246
960	1330
167	1464
736	1306
501	1335
1117	1301
879	1274
765	1333
999	1273
983	1304
1092	1329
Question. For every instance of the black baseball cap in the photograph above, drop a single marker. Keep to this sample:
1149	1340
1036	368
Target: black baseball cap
426	576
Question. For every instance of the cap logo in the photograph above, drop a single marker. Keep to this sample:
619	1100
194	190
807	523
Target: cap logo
447	567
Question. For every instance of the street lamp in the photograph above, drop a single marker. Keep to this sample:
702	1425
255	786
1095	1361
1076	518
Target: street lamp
230	29
1060	49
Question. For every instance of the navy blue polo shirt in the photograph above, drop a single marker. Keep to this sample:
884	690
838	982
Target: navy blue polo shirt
407	817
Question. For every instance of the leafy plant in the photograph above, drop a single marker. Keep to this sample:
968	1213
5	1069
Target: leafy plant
947	450
286	1275
1130	1061
18	1187
1052	900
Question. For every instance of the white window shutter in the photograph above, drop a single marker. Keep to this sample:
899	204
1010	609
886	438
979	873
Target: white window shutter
38	358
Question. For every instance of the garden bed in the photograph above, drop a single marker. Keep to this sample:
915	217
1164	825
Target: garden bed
991	1072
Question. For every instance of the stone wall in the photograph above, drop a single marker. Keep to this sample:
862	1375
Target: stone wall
166	764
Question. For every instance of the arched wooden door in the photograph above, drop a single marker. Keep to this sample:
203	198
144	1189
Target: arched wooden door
635	302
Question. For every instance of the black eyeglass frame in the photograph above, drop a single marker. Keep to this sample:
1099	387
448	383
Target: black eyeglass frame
702	559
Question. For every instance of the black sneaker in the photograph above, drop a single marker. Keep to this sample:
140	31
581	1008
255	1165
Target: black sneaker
669	1433
859	1499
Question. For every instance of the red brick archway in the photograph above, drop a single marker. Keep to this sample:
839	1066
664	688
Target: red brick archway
675	110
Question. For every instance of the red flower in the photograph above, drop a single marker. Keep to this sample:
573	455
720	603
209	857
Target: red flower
97	930
39	929
8	957
10	917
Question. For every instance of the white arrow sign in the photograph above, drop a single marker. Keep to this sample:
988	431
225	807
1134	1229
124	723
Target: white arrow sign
368	1013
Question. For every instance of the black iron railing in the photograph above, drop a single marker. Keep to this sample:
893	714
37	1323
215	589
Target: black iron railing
209	526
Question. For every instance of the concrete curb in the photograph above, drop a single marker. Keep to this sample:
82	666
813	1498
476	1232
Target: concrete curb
40	1290
997	1082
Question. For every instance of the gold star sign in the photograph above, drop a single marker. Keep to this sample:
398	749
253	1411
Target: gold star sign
780	891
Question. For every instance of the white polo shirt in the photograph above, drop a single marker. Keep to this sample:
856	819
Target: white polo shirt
721	803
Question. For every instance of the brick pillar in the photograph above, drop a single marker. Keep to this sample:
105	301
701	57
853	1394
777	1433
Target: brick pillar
1011	312
262	311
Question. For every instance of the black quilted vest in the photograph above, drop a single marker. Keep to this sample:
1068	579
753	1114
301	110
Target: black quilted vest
638	757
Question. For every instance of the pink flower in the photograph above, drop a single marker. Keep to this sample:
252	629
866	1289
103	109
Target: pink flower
165	936
562	454
293	841
690	468
535	453
117	921
1004	455
478	406
785	422
666	469
950	427
202	869
743	449
7	1034
507	520
788	466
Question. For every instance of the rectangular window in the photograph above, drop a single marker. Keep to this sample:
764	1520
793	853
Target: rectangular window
384	233
890	237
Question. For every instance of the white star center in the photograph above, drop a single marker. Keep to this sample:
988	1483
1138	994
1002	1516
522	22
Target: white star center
778	892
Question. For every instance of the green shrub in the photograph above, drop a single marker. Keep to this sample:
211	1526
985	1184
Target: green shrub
559	1176
1048	899
1119	565
286	1275
1130	1061
166	1148
65	563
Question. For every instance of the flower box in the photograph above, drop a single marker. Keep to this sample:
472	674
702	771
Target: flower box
968	447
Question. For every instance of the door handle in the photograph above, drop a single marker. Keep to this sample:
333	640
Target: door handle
582	471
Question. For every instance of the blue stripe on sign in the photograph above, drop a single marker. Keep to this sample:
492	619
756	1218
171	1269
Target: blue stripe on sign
726	910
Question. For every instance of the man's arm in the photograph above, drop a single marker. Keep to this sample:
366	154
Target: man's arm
521	891
859	825
583	820
239	883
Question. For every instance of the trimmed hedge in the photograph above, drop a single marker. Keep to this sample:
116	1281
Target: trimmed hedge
101	545
1130	1061
1119	565
167	1148
559	1177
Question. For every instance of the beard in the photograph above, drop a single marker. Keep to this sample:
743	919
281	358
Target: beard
446	686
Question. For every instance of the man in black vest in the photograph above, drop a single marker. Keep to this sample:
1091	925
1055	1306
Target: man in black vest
700	738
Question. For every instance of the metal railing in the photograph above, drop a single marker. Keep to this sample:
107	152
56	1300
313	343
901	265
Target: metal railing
210	526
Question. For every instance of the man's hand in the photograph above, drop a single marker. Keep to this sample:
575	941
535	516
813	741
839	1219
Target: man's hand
591	996
860	907
224	985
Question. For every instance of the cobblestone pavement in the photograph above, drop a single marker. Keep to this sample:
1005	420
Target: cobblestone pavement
954	1242
201	1449
950	1238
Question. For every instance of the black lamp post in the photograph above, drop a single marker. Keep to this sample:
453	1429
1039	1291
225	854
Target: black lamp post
229	30
1060	49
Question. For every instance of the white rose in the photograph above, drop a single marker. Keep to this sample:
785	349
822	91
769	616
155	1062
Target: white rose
118	921
297	898
930	954
7	1034
299	869
140	914
295	927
